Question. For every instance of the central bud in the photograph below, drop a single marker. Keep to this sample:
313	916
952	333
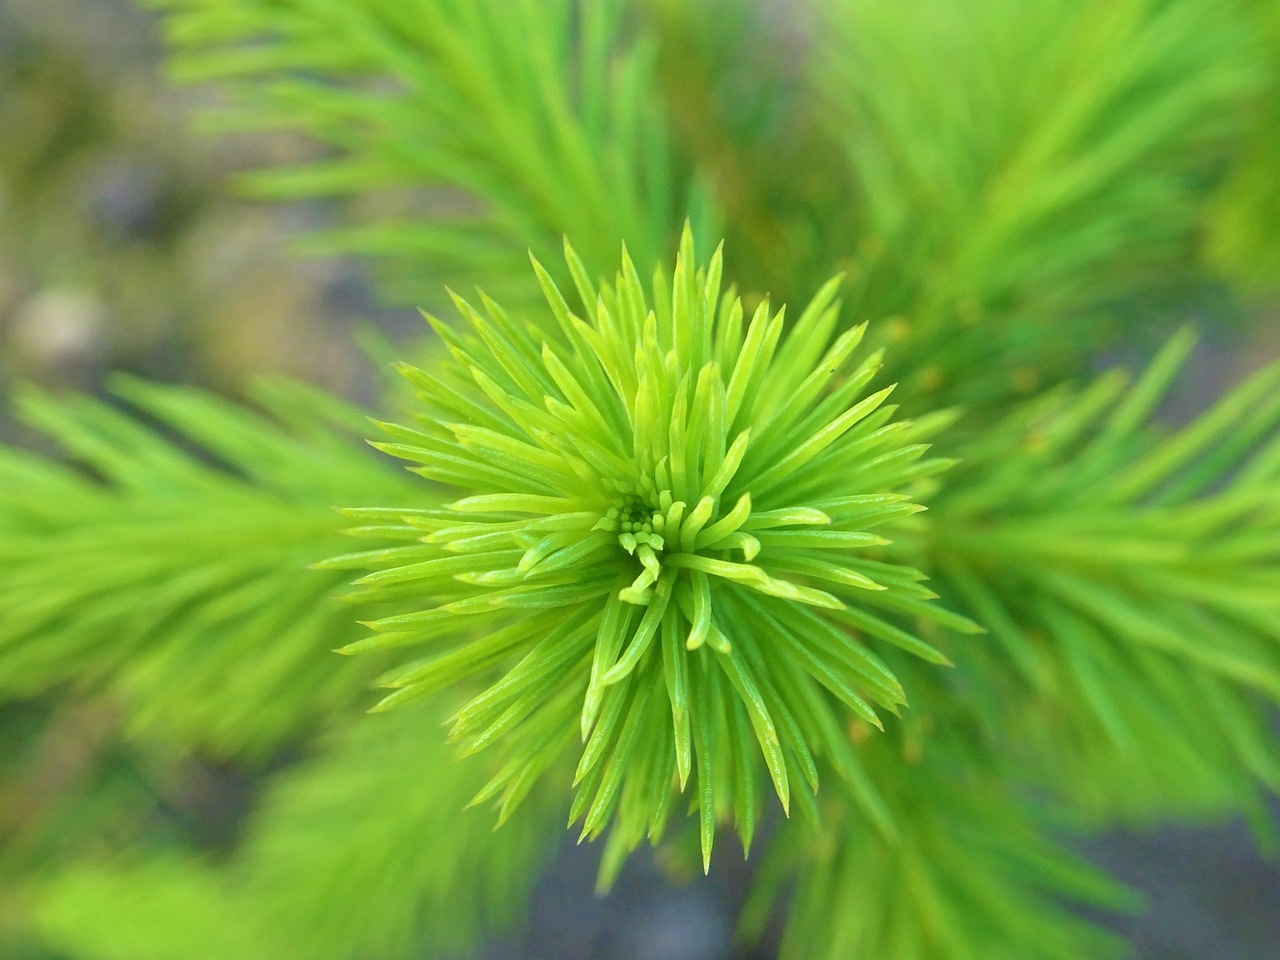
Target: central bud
643	530
639	524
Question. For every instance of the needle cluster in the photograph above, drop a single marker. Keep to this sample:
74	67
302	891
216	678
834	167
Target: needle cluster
666	544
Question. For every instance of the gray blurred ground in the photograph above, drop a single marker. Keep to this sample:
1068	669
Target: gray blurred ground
119	249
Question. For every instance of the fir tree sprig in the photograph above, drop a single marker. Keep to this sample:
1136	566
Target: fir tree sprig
949	884
360	849
665	545
466	131
1130	578
156	567
1105	126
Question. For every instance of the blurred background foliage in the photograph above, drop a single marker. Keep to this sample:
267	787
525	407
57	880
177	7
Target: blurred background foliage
1096	195
120	249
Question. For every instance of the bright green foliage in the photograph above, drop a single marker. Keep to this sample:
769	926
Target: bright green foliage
971	875
68	784
159	910
335	866
1020	160
470	130
679	561
164	572
1108	560
740	107
367	849
1243	239
664	527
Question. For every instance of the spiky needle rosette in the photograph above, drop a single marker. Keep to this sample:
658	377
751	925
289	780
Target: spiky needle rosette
662	546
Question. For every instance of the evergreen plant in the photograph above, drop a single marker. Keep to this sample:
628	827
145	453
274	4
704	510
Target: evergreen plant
899	583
